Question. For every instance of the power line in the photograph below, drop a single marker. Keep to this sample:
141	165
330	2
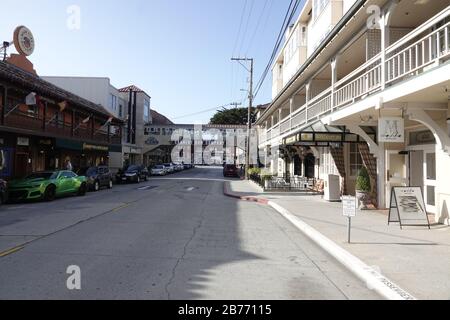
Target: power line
258	24
240	27
246	26
278	42
205	111
238	36
287	21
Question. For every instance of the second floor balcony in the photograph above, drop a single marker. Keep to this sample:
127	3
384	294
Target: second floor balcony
421	50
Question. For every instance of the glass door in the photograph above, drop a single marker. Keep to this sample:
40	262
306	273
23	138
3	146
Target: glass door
430	181
397	176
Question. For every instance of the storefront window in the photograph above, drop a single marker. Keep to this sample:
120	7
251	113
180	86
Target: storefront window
327	164
146	111
356	162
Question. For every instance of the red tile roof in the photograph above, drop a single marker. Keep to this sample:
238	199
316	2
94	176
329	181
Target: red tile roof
133	88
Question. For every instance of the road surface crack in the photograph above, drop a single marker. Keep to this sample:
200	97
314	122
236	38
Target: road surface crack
194	233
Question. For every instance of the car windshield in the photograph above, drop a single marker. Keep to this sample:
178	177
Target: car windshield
159	167
42	175
87	171
167	165
133	168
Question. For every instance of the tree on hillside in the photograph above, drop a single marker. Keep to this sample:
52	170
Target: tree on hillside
237	116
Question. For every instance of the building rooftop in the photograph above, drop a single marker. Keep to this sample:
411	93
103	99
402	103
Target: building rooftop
133	88
32	82
159	119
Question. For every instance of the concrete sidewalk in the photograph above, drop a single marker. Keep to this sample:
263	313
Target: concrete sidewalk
416	258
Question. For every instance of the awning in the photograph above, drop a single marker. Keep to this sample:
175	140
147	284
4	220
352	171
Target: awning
322	135
75	145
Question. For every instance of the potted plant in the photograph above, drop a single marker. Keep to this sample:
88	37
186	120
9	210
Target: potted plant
363	189
266	179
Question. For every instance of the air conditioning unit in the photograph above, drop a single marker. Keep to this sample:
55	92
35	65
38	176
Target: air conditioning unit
333	188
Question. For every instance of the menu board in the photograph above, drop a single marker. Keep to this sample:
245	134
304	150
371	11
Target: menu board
407	207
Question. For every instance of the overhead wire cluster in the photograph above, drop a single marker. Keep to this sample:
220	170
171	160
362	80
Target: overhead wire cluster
288	19
244	34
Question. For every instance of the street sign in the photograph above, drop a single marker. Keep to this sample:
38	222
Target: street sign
349	209
349	204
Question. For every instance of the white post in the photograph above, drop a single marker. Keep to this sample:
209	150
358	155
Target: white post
308	93
291	110
381	168
384	40
333	80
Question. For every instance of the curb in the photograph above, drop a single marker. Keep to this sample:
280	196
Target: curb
243	198
374	280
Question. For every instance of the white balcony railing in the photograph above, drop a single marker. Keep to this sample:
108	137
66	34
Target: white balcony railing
426	46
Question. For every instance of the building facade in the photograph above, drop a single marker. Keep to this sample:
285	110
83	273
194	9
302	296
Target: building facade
160	143
43	127
365	83
130	104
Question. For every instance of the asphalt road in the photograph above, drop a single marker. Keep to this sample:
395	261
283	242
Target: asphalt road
172	238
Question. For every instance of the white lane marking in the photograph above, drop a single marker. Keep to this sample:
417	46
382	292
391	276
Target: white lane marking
190	189
374	279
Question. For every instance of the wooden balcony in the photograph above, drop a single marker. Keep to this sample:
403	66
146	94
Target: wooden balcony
59	129
428	45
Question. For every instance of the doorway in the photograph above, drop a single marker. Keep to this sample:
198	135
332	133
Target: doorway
397	176
310	166
21	165
423	173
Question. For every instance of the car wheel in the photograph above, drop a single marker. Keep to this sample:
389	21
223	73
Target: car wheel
110	185
82	190
96	186
50	193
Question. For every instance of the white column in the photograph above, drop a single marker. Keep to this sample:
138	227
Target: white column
381	170
333	80
291	110
308	96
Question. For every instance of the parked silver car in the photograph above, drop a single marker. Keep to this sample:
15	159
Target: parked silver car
159	171
169	167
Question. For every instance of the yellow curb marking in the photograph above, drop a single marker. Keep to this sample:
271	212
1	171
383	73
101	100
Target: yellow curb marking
11	251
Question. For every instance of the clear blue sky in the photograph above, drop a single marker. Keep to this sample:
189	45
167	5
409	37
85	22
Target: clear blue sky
176	50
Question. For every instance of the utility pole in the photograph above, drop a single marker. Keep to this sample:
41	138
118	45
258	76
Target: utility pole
250	106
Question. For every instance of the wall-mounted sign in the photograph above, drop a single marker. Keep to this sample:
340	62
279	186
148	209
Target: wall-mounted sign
307	137
46	142
408	207
152	141
91	147
391	129
421	137
330	137
291	140
24	41
24	142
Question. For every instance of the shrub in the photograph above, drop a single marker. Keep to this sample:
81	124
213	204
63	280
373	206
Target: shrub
254	171
363	181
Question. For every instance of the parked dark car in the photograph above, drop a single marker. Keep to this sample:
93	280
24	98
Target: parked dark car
133	173
230	170
3	191
97	177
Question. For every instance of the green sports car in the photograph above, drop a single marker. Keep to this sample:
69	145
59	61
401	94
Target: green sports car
47	186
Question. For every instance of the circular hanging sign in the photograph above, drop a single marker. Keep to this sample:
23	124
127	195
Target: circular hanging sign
24	40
